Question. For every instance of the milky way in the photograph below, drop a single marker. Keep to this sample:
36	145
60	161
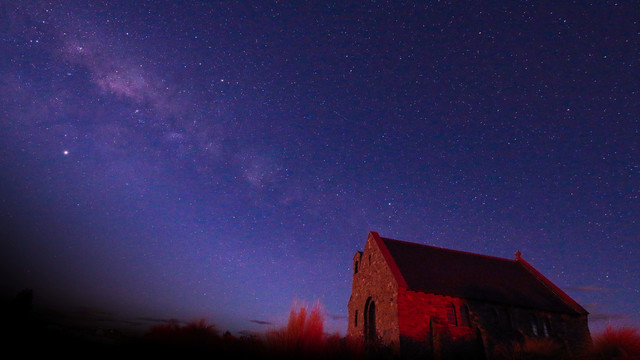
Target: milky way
225	160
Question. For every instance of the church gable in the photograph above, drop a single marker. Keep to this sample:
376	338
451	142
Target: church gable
373	302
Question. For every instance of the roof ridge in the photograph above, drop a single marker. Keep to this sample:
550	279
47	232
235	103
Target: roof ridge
472	275
555	289
452	250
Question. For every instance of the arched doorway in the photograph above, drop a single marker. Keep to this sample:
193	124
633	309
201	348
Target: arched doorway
370	321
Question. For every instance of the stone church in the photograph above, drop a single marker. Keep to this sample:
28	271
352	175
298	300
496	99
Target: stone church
441	303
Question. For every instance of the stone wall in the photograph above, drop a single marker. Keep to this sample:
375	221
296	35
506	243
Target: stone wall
489	329
373	279
430	326
502	326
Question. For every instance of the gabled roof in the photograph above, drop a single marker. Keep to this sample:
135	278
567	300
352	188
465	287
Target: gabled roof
461	274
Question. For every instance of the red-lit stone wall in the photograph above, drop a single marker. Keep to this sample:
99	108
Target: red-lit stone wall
490	329
373	279
417	310
425	326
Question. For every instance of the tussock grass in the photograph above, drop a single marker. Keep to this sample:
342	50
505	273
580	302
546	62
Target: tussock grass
196	334
304	337
304	332
622	343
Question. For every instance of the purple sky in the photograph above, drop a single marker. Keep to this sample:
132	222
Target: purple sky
164	159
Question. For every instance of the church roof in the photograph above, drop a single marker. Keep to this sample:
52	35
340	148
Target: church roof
462	274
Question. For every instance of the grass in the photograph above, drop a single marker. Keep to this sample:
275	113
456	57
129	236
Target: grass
303	333
303	337
622	343
611	344
532	348
196	333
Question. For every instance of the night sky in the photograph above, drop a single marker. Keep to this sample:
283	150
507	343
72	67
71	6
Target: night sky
223	160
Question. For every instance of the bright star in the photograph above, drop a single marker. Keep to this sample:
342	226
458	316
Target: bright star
66	152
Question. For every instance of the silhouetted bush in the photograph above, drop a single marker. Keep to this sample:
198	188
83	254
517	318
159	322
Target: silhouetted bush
623	343
303	333
194	335
22	304
304	337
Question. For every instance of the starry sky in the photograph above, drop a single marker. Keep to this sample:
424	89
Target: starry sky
225	160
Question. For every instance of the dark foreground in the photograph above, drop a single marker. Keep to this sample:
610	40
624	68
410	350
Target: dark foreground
26	334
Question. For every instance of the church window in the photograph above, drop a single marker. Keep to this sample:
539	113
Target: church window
465	319
451	315
355	320
534	326
494	316
507	319
545	327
